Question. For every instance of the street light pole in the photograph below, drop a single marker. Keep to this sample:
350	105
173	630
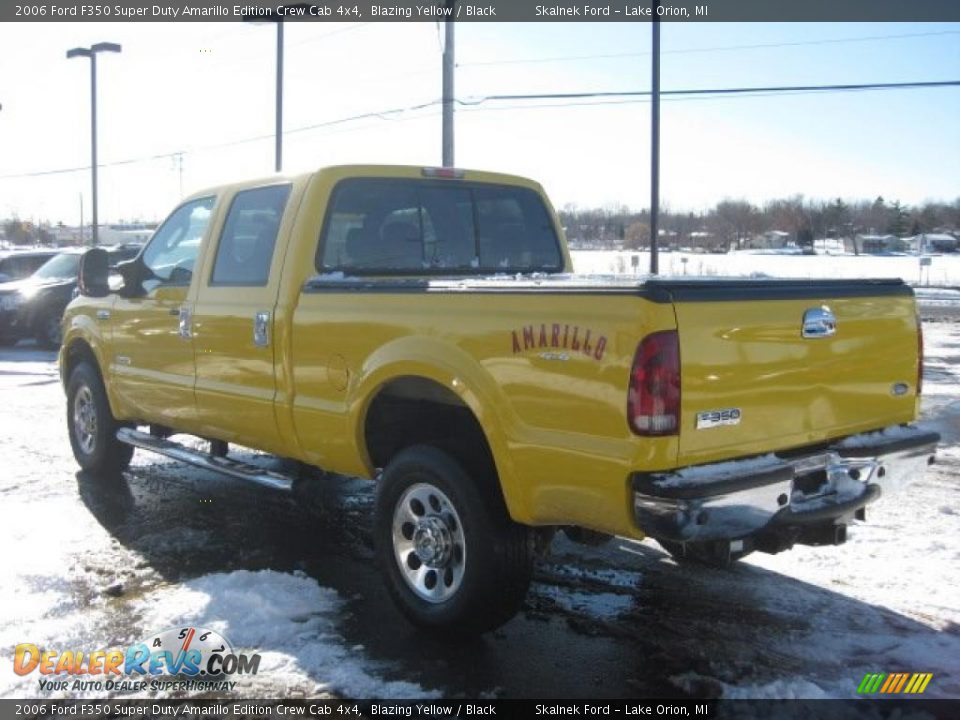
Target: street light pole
91	52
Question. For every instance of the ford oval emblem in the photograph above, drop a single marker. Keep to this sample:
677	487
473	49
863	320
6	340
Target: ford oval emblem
819	322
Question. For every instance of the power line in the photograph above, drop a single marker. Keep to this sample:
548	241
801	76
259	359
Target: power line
717	48
379	114
775	89
603	98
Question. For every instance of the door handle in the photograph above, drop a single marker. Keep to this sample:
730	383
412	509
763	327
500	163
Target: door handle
175	311
183	326
261	329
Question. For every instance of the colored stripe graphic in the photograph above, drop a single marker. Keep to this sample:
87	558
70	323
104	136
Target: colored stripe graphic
918	683
871	682
903	681
894	683
891	682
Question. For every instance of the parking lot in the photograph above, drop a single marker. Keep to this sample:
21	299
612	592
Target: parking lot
95	562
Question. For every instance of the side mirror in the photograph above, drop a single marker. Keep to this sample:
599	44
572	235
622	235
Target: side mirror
95	273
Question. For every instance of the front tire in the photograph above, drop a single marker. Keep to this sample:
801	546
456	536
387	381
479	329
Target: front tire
451	557
91	425
48	333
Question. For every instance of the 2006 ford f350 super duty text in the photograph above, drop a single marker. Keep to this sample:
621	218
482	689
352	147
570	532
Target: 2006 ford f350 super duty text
422	327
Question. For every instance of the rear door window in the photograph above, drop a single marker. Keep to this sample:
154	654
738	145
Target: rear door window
249	236
384	226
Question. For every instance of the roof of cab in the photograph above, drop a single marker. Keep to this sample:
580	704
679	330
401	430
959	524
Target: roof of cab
371	171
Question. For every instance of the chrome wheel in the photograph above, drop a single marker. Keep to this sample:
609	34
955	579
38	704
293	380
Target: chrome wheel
428	542
85	419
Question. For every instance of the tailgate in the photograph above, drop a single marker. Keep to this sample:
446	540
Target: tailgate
752	382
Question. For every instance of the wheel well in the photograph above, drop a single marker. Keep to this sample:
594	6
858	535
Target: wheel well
78	352
417	411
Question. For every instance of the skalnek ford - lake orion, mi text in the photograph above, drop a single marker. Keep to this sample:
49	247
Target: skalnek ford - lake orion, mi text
625	10
423	11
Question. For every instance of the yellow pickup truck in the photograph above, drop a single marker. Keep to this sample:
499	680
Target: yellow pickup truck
422	327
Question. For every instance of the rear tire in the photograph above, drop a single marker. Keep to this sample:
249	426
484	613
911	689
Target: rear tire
451	557
91	425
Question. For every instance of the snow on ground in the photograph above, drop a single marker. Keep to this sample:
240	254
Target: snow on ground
288	618
57	601
943	269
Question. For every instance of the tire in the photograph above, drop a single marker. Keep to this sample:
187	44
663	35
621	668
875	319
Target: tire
702	553
431	514
91	425
47	330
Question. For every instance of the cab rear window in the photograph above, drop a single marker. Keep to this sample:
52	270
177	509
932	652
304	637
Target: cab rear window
377	226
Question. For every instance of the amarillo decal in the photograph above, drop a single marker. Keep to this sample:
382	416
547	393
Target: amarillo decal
555	335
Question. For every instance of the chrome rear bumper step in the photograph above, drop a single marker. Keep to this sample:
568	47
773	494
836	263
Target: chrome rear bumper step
222	465
732	500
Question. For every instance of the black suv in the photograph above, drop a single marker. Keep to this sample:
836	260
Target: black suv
34	306
18	264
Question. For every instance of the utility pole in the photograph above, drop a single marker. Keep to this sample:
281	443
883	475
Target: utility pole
655	146
279	130
81	218
91	52
277	19
449	67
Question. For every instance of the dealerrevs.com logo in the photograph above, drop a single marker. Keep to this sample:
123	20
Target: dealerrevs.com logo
188	658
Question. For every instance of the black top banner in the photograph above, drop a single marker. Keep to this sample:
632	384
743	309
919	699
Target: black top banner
486	11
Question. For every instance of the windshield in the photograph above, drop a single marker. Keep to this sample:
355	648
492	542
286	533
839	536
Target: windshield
65	266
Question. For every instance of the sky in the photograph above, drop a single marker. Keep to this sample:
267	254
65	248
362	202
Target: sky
206	90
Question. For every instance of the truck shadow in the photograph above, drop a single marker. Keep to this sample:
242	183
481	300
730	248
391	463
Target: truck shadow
617	621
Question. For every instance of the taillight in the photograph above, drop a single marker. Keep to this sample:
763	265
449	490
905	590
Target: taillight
919	357
653	400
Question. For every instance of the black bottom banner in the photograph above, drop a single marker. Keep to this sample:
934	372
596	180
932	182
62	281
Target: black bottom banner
867	709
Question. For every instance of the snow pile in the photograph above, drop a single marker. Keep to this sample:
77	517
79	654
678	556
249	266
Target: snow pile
899	432
288	619
597	605
57	601
717	472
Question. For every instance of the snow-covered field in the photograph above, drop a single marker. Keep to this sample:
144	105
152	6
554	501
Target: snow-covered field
943	269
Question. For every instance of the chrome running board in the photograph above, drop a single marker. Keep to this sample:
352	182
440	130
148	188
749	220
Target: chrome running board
222	465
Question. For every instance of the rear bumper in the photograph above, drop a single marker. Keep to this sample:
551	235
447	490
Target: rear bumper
742	498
